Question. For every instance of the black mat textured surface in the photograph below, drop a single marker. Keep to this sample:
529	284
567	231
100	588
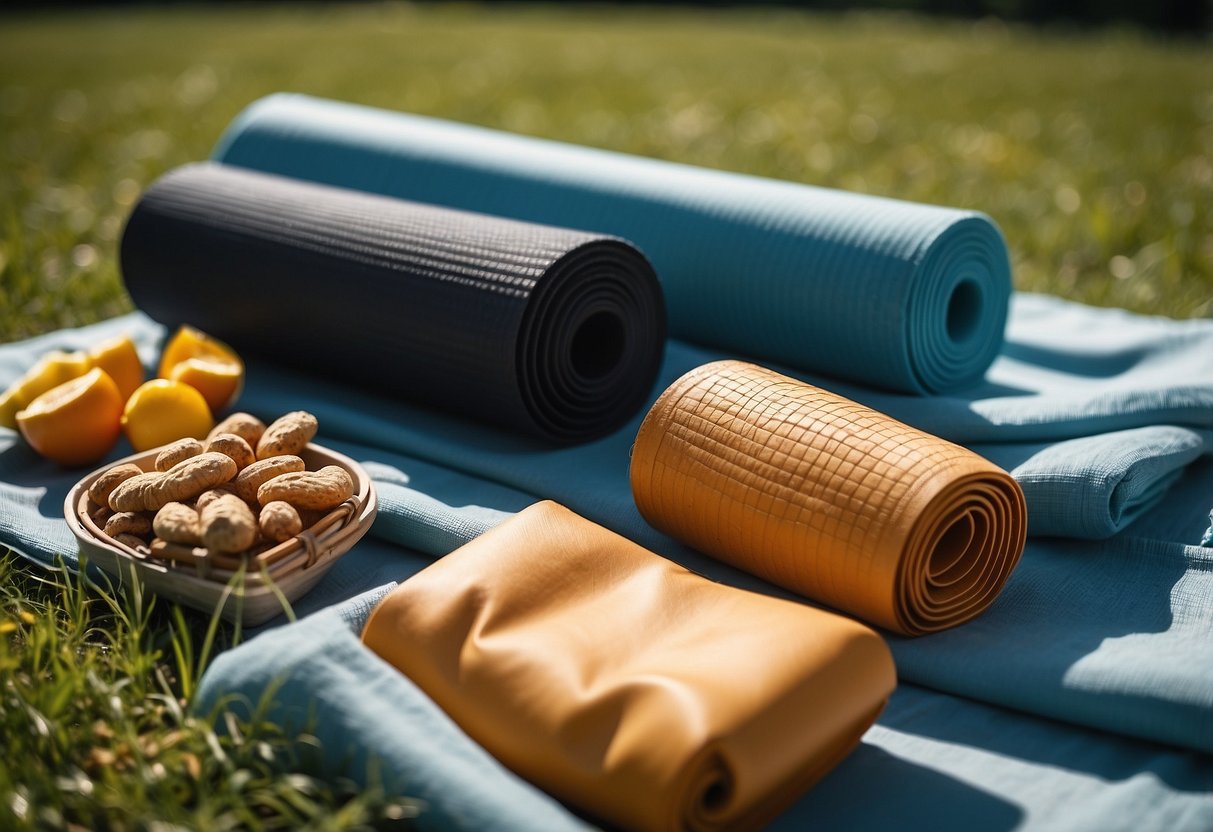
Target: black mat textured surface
554	332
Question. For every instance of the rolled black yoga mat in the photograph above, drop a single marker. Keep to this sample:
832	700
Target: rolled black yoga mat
555	332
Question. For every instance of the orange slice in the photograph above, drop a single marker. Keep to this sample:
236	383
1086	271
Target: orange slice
162	411
74	423
119	358
52	369
219	382
205	363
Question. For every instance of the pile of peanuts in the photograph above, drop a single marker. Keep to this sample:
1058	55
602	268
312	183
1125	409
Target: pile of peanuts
241	491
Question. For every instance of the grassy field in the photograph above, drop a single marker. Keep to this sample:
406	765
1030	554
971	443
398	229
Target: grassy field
1094	153
93	693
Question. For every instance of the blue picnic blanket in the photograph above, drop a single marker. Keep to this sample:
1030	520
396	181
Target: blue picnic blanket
1082	699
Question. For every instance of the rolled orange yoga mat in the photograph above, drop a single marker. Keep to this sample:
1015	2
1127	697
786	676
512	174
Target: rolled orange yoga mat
827	498
627	686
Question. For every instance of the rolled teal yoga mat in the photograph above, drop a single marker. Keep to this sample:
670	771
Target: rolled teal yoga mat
902	296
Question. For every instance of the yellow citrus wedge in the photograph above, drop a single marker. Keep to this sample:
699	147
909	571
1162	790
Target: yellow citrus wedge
206	363
219	382
10	403
52	369
162	411
119	358
75	423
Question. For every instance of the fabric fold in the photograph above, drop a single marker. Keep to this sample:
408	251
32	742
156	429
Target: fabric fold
899	295
828	498
1095	486
554	332
625	685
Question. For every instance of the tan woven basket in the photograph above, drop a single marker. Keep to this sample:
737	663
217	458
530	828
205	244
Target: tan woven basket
249	590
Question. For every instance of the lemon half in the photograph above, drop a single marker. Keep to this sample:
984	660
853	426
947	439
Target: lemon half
162	411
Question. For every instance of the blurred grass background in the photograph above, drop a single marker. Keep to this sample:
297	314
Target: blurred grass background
1092	150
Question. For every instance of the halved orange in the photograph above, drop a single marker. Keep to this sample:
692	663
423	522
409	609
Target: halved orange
205	363
162	411
74	423
52	369
119	358
219	382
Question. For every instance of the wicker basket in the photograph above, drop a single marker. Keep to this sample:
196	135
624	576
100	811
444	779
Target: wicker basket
246	590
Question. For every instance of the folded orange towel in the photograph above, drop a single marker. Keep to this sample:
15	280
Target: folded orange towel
647	696
827	497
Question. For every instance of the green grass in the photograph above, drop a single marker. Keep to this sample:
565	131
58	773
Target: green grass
1094	153
94	685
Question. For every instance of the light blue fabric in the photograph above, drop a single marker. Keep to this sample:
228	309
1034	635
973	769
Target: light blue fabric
933	761
1094	486
323	681
1110	634
943	763
909	297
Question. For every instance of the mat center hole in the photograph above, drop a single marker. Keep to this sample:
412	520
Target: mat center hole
716	796
948	561
597	346
964	311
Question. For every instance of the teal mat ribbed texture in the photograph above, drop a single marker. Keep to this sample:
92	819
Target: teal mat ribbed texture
903	296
